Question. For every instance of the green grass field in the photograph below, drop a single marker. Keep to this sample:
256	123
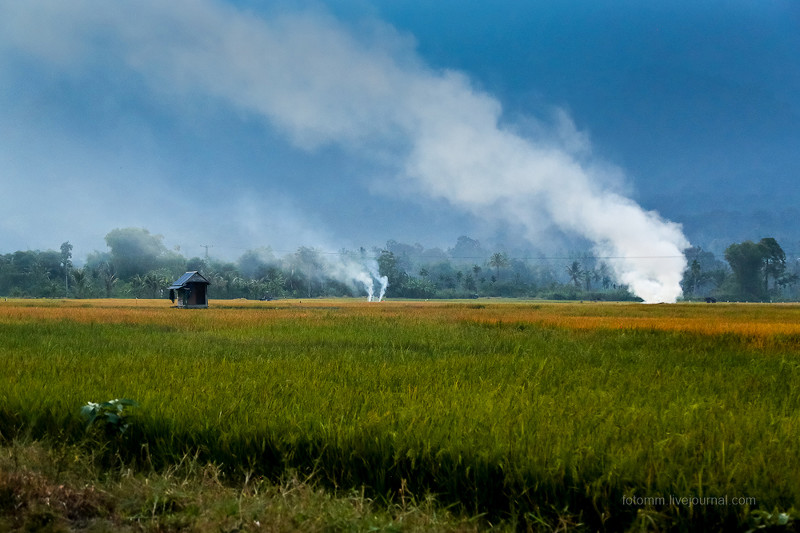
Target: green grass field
614	416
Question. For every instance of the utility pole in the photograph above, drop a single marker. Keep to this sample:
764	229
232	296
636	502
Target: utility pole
206	246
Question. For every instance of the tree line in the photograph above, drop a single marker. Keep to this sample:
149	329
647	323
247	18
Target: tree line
138	264
752	272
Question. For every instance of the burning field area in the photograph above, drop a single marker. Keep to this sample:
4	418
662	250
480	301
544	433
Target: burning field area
514	413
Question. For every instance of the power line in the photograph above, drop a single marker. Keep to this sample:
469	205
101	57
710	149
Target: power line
789	255
482	258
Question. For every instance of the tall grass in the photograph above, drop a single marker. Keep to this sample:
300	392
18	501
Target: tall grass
524	411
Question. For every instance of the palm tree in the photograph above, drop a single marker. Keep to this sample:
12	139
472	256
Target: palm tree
498	260
108	276
774	260
575	273
155	281
81	281
589	276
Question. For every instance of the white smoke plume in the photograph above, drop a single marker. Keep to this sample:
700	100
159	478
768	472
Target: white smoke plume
366	281
314	79
384	281
359	273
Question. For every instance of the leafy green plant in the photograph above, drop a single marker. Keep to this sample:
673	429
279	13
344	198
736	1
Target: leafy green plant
764	520
111	415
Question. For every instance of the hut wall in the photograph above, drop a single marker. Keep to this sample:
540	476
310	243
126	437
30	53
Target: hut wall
197	296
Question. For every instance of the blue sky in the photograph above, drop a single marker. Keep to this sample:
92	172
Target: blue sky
351	123
697	102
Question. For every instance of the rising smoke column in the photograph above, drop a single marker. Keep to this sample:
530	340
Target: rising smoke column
384	281
366	282
310	77
360	274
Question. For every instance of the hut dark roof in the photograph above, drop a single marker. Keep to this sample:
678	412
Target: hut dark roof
190	277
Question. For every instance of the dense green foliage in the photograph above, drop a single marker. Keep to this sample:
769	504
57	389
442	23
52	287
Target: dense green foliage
498	415
139	265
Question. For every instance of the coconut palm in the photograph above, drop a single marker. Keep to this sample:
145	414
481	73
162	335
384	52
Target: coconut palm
498	260
575	273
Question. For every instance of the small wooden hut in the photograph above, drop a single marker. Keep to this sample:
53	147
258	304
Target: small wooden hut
190	291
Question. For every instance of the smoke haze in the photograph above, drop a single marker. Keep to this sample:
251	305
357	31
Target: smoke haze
360	275
320	83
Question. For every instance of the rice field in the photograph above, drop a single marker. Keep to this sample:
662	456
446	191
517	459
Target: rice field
613	416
